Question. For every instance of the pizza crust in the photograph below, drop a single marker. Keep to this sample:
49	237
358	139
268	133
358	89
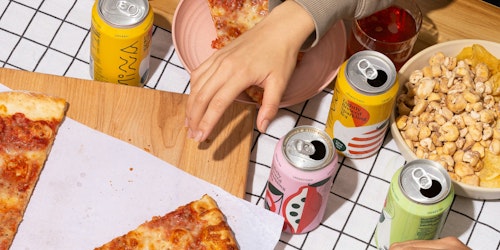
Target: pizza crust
35	106
28	126
197	225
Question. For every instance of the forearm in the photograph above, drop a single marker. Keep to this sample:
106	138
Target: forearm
295	28
325	13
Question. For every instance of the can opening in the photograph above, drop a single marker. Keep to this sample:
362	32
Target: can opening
320	151
374	77
429	186
433	190
315	150
379	80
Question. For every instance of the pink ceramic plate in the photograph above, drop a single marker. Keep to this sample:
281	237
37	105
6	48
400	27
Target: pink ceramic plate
193	32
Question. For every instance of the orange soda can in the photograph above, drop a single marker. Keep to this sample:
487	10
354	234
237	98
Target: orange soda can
363	99
120	43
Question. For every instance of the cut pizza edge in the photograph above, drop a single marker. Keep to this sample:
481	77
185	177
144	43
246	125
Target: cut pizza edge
29	122
199	224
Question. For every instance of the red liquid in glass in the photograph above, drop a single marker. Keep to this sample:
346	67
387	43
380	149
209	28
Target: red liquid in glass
388	26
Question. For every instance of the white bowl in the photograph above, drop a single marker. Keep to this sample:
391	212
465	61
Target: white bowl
451	48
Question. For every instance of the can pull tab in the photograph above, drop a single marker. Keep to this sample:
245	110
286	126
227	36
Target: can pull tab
121	8
304	147
421	177
127	8
367	69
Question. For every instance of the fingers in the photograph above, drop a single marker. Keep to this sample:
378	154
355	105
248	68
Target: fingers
413	245
211	97
214	91
270	103
199	78
444	243
214	111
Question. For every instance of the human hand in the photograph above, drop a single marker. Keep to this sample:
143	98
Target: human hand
264	56
451	243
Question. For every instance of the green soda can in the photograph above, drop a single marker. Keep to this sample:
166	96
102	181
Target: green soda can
417	204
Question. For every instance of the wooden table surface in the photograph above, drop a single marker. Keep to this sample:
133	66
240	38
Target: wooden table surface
446	20
153	120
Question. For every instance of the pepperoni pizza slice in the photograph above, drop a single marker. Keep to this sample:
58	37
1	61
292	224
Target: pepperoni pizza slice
197	225
233	17
28	126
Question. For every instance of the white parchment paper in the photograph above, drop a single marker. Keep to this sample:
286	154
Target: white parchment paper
95	187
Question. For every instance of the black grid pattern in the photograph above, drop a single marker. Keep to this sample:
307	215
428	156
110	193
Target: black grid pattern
52	36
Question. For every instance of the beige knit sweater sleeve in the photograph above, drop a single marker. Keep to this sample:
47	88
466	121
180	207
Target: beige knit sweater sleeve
327	12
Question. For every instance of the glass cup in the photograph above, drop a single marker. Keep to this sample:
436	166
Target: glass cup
392	31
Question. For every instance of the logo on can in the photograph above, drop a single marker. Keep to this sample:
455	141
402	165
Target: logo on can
120	43
301	175
419	198
363	99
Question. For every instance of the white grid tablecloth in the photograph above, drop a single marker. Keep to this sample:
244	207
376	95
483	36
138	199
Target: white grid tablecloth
52	36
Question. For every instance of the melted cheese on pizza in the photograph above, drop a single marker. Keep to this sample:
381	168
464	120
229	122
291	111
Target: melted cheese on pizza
197	225
233	17
28	124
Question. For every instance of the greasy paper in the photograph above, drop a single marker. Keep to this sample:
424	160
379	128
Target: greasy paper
95	187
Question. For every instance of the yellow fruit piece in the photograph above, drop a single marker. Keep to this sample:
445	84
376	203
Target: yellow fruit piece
489	176
466	53
495	80
476	54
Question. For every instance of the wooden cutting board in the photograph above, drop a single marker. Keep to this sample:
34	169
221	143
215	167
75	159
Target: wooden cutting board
153	120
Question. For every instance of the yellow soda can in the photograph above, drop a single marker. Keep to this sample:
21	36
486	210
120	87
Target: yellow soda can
363	99
120	43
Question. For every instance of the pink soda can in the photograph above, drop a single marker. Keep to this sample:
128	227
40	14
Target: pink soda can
302	170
